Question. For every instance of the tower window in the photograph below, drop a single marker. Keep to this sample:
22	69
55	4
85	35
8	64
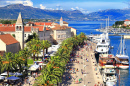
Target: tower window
17	28
24	35
20	28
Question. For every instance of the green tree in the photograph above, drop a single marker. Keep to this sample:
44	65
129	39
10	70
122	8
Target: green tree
7	62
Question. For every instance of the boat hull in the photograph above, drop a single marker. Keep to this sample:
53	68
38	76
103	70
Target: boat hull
123	66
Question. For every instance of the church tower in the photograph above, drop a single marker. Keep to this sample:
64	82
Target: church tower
61	21
19	31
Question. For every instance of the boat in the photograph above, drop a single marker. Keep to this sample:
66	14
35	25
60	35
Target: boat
103	45
109	75
110	84
106	61
122	59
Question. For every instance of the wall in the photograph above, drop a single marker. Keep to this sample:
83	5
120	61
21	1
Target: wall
2	46
14	48
73	31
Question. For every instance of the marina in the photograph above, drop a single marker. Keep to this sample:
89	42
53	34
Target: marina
122	75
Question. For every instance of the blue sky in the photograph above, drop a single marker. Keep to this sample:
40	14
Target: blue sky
86	6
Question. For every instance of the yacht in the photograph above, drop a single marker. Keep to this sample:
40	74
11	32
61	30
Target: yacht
122	59
106	61
103	45
109	75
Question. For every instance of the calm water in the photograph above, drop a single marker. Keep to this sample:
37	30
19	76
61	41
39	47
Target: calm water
88	27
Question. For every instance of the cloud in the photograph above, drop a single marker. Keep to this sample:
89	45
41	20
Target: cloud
77	8
42	7
24	2
72	9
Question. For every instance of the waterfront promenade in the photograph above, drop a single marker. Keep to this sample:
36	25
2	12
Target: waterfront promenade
88	73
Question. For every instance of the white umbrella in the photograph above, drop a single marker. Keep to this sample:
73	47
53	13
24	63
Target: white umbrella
2	77
41	64
5	74
34	67
46	55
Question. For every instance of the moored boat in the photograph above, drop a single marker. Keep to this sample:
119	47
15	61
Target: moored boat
107	61
122	60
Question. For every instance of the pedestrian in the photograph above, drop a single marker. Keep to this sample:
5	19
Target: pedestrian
77	69
29	83
69	77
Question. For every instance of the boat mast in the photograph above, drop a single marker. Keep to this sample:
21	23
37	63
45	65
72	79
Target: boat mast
108	21
121	46
106	25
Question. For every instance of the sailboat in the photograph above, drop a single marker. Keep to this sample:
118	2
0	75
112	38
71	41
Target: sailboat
122	59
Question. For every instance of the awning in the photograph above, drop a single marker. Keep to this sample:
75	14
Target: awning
5	73
33	67
17	74
2	77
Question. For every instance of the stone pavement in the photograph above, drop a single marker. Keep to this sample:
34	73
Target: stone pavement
91	76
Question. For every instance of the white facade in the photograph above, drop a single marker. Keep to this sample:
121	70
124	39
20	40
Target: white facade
2	46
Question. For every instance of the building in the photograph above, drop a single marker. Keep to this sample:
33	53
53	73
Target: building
126	22
53	32
9	44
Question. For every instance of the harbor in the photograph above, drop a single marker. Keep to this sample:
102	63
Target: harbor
123	78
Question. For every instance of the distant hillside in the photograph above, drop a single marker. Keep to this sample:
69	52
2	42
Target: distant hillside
11	12
114	14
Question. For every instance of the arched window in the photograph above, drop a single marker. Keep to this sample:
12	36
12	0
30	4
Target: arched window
20	28
17	28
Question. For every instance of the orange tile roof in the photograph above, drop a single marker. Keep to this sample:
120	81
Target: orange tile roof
126	20
12	28
42	23
58	27
7	28
27	28
8	39
41	28
64	22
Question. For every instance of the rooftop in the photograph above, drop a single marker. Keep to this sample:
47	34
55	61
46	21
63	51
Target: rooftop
8	39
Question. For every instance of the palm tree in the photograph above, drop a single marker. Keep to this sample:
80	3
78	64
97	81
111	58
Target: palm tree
38	47
32	47
7	62
19	60
26	54
1	64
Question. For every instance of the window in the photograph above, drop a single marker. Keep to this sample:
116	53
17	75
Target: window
58	36
17	28
24	35
20	28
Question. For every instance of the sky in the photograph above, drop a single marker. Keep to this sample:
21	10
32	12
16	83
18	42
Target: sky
86	6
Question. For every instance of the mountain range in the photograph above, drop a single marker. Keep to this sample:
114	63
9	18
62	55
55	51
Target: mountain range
12	11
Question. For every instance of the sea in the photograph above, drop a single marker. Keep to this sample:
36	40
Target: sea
88	27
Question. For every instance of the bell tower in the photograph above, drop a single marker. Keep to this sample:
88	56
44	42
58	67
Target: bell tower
19	31
61	21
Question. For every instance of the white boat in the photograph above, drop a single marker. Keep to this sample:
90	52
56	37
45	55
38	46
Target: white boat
122	59
110	84
109	75
103	45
